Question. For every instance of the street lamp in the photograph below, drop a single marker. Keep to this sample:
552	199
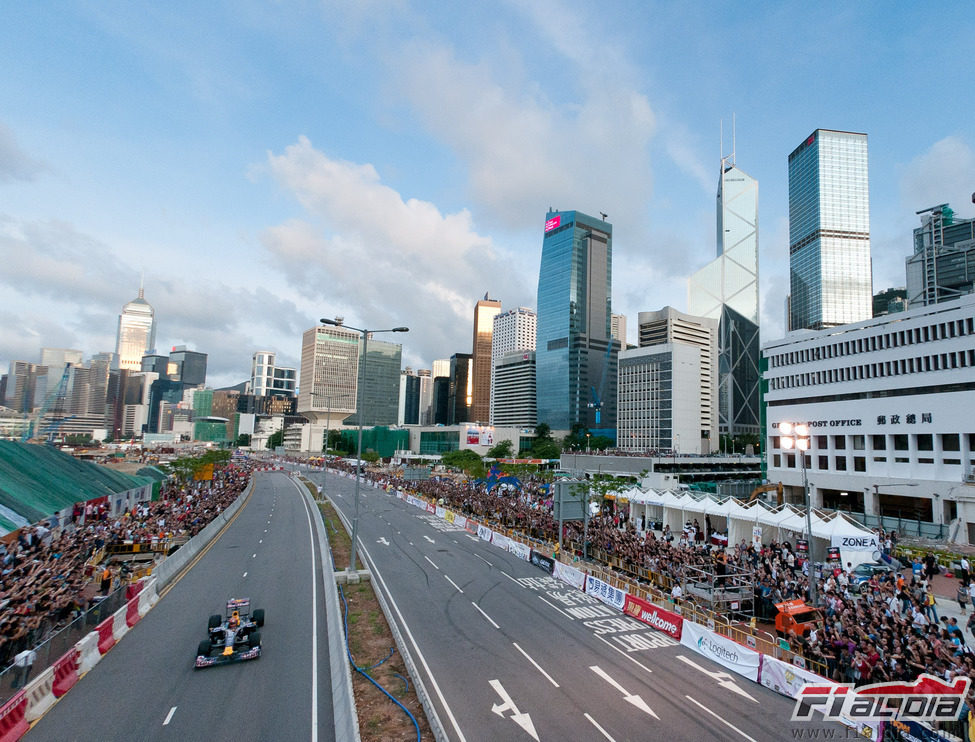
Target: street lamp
360	403
796	435
587	442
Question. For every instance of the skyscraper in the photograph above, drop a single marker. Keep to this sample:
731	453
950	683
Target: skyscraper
484	313
576	354
329	373
136	333
461	390
726	289
514	332
943	264
829	231
191	366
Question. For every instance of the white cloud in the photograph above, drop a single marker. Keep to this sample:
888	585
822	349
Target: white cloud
380	259
943	174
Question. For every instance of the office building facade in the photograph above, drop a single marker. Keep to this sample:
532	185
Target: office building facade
461	389
268	378
514	331
513	402
329	373
888	404
575	357
829	231
726	289
484	313
943	264
190	366
136	334
377	396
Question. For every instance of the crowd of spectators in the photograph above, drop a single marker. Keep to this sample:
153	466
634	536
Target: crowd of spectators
48	578
885	629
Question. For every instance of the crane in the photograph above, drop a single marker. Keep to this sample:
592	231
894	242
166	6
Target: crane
596	402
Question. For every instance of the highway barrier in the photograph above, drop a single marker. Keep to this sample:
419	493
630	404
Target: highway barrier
88	652
40	694
13	718
106	634
65	673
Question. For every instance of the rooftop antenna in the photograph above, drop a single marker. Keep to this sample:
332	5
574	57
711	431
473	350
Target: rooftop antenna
603	215
142	281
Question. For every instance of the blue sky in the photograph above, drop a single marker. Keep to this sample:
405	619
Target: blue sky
269	163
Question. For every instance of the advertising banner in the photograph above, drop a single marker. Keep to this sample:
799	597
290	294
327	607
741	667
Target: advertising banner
449	516
500	540
569	575
785	678
519	550
431	508
757	537
605	592
658	618
441	512
459	520
543	562
724	651
473	436
484	533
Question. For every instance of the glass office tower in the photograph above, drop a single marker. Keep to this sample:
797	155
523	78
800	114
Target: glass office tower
829	231
726	289
575	352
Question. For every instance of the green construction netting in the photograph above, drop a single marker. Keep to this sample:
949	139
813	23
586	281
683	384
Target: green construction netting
152	472
37	481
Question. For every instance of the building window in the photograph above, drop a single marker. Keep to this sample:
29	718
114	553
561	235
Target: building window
777	461
821	442
949	442
859	463
824	462
925	442
859	442
900	442
841	463
879	442
790	461
839	442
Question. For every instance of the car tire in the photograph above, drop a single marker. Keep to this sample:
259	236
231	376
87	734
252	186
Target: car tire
254	640
215	621
258	616
204	649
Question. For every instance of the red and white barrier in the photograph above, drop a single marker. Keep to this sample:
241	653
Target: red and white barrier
88	653
132	614
148	596
40	694
106	635
65	673
120	626
13	718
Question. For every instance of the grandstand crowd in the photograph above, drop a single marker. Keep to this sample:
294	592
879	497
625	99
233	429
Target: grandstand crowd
888	629
48	576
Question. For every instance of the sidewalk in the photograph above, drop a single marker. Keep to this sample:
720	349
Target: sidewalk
944	589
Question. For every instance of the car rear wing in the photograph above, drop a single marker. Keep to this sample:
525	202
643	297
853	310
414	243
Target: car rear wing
236	604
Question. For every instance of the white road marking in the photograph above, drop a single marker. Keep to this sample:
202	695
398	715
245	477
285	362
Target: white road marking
254	555
601	730
489	619
726	723
631	659
411	543
261	541
511	578
484	560
382	540
169	716
429	539
556	608
454	584
472	538
537	666
723	679
245	574
314	627
522	720
631	698
431	561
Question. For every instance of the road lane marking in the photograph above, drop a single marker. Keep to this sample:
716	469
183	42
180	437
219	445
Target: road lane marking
254	555
431	561
382	540
429	539
726	723
631	659
537	666
723	679
601	730
489	619
314	624
556	608
454	584
245	574
484	560
169	716
261	541
522	720
631	698
510	577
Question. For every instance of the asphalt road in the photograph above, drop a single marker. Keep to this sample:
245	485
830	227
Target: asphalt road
146	687
508	653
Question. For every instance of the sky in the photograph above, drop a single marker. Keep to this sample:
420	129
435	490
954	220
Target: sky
265	164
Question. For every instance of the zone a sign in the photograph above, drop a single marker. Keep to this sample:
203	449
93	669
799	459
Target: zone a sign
926	699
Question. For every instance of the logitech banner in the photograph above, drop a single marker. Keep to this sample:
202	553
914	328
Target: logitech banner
734	656
658	618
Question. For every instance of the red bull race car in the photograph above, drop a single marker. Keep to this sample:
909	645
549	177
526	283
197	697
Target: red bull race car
232	639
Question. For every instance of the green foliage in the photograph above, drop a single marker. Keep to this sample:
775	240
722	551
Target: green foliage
275	439
244	439
337	444
546	449
543	432
502	450
466	460
370	456
78	439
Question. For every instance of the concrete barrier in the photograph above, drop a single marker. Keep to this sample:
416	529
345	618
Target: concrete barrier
120	626
88	652
40	695
132	614
148	596
65	673
106	635
13	718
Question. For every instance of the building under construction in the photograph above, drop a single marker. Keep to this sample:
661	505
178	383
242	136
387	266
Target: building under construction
942	267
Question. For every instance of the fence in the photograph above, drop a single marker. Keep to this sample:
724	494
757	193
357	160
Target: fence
903	526
58	643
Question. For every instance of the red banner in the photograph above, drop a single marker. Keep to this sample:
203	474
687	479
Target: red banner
658	618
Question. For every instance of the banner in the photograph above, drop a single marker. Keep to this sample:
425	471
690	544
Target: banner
569	575
724	651
785	678
441	512
459	520
450	517
484	533
605	592
658	618
859	542
757	537
500	540
519	550
431	508
543	562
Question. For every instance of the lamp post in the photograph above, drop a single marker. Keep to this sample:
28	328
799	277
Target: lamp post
328	431
796	435
588	435
360	404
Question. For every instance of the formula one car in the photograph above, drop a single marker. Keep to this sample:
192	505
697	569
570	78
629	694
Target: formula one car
232	639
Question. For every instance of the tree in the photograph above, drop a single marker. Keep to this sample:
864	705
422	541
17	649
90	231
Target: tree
370	456
275	439
502	450
543	432
244	439
546	449
466	460
336	442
